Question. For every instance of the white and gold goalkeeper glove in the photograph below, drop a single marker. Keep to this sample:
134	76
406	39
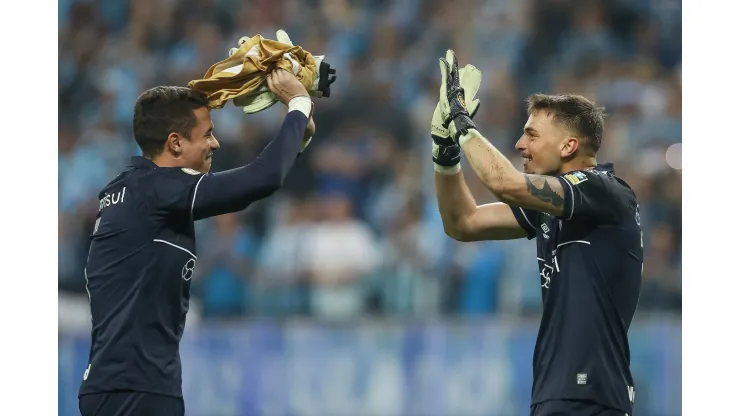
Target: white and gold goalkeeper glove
454	105
446	152
263	98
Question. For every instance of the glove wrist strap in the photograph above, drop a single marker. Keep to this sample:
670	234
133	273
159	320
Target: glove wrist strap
469	134
302	104
447	170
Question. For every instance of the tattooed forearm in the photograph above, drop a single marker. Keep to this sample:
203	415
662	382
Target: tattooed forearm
544	192
501	177
491	166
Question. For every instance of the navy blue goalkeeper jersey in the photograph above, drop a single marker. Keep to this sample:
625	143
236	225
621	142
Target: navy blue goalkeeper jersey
138	275
142	257
590	262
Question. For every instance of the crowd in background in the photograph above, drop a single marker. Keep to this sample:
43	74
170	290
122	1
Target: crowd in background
355	231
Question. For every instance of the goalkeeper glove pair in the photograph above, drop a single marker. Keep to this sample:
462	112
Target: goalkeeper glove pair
264	98
453	116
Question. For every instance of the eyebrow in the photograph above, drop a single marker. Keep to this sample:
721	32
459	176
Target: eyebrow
209	130
530	130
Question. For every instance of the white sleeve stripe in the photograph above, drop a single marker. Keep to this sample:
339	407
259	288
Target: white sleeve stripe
87	288
527	219
156	240
574	241
572	200
195	193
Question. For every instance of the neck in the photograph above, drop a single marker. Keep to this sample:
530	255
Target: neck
164	160
580	163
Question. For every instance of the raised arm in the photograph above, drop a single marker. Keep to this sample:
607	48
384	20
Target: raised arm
464	220
535	192
233	190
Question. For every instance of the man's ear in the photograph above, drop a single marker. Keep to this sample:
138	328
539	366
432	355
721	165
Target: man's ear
569	147
174	143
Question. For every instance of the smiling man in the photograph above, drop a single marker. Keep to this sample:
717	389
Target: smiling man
142	252
587	224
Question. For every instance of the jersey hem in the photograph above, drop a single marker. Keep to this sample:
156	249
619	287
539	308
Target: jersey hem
132	389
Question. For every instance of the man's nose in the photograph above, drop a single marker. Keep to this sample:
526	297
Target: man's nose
520	144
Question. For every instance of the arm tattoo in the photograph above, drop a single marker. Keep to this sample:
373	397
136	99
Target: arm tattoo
546	193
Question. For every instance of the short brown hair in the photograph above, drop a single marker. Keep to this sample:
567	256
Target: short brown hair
163	110
576	113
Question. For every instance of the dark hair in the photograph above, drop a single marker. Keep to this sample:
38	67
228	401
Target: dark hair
163	110
576	113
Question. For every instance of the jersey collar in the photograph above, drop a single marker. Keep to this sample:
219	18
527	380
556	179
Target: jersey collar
601	167
605	167
142	163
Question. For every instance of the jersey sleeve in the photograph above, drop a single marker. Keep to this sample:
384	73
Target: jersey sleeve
235	189
173	189
526	218
591	195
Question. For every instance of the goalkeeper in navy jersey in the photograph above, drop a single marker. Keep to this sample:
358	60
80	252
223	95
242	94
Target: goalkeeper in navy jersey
586	223
142	252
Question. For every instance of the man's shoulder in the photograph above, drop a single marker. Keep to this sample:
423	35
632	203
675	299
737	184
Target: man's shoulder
157	184
593	177
164	178
604	183
169	175
171	188
178	173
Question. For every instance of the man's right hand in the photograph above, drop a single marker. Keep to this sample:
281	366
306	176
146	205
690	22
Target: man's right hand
285	85
446	153
454	104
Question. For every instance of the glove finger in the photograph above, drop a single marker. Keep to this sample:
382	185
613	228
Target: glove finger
470	81
473	107
444	69
453	67
243	40
232	51
471	72
282	37
451	59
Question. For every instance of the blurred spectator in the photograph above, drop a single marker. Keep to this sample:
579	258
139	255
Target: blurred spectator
480	282
340	252
282	278
225	267
380	247
409	283
69	256
662	284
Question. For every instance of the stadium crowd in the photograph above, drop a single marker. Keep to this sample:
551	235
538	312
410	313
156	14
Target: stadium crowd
356	230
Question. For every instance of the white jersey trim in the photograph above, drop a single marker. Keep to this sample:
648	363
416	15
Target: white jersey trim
156	240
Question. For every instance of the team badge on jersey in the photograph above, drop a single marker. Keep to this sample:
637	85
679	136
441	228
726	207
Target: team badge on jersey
190	171
576	177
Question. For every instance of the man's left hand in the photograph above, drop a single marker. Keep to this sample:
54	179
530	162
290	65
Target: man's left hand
445	152
452	101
